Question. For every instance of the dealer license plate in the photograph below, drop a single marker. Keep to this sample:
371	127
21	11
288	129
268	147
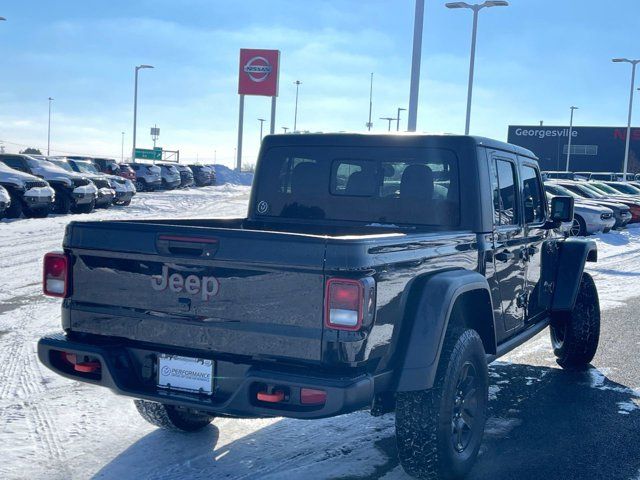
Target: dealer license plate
185	374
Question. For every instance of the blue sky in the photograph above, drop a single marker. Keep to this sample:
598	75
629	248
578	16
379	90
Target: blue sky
535	59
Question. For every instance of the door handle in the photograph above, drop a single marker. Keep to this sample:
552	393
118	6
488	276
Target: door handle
505	256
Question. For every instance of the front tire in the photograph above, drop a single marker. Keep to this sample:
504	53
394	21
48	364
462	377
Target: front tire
171	417
439	431
15	209
575	335
141	186
578	227
85	207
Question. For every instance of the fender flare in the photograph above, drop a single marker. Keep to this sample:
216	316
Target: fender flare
431	320
573	253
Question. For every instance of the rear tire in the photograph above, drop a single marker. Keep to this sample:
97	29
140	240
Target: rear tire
171	417
575	335
439	431
141	186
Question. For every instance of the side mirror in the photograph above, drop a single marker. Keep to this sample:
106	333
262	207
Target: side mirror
562	209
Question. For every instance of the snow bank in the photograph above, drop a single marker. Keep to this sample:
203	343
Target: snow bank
226	175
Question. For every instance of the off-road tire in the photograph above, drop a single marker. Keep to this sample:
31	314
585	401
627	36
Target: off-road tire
575	334
15	209
170	417
126	203
84	208
425	419
36	212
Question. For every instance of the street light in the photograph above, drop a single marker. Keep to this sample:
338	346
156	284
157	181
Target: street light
388	119
285	129
135	110
122	149
633	81
570	136
398	118
416	57
476	8
49	128
369	123
295	117
261	120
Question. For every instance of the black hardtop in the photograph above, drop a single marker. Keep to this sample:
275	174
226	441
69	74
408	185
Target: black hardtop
394	140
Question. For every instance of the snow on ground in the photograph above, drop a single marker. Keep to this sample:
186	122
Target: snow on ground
54	428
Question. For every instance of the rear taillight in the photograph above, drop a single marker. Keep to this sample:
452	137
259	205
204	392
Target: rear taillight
344	304
55	278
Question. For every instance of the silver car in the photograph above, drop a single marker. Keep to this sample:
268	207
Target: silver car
589	219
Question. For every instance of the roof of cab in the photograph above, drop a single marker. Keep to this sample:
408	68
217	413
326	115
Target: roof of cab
390	139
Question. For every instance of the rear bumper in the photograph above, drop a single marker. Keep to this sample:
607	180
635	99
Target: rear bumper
131	371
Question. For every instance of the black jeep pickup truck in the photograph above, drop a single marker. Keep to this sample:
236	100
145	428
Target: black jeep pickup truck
373	272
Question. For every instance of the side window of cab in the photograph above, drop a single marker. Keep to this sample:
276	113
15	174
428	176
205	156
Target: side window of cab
533	195
505	194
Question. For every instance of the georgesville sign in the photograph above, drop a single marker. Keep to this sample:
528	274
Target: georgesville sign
259	72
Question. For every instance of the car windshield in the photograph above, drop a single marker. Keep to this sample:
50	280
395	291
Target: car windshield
603	187
86	167
62	164
560	190
47	165
624	188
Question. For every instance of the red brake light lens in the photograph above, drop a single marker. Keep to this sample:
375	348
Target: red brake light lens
344	304
55	278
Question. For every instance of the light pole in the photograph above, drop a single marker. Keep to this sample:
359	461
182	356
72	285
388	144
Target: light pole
261	120
476	8
295	116
398	118
633	81
388	119
570	136
285	129
49	128
135	110
369	123
122	150
416	56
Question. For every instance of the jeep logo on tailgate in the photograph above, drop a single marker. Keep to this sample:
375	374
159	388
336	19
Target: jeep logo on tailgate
206	287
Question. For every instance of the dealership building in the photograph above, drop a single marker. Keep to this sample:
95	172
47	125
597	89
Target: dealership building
593	149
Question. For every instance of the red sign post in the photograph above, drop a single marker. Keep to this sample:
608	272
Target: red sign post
259	73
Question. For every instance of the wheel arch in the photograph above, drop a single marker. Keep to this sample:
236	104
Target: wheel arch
572	255
458	297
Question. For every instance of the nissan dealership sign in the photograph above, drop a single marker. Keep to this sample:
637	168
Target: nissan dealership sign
259	72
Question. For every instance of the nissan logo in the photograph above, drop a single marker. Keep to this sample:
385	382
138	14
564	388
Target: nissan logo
258	69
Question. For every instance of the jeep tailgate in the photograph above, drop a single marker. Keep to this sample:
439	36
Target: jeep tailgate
225	290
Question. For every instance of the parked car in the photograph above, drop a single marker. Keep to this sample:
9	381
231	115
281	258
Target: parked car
5	201
588	219
73	192
148	177
551	174
29	194
611	176
621	188
170	176
391	291
186	175
621	212
586	190
111	167
202	175
123	187
106	194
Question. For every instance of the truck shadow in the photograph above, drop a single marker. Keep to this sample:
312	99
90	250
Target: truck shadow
545	423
